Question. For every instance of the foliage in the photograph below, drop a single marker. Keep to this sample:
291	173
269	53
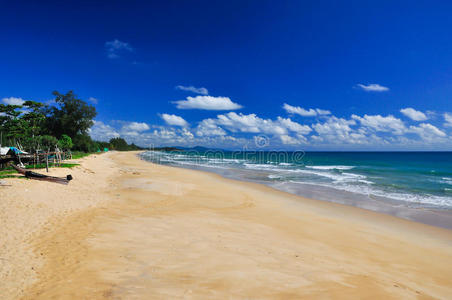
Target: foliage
43	166
118	144
79	154
70	115
35	126
12	176
65	143
34	118
6	172
121	145
48	142
84	143
26	125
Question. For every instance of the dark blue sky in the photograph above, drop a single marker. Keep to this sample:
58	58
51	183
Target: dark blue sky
259	54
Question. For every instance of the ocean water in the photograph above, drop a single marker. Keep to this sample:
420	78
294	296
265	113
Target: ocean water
408	179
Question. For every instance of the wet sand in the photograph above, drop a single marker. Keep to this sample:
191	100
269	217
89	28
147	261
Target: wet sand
129	229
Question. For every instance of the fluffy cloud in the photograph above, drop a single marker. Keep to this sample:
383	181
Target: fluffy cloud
279	129
174	120
186	133
413	114
305	113
289	140
135	127
93	100
250	123
337	130
102	132
383	124
207	103
13	101
448	119
373	87
294	126
248	131
427	131
183	136
201	90
156	136
116	47
209	127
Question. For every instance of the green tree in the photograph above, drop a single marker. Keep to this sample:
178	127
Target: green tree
11	125
48	142
65	143
70	115
33	121
33	124
119	144
84	143
34	116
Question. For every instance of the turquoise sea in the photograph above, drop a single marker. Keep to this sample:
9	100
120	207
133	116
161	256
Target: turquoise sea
421	180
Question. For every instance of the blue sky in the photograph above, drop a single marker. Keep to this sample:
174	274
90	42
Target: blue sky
317	75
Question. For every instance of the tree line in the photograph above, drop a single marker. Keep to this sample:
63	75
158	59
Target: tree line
35	126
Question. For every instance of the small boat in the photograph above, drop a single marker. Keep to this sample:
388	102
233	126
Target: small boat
37	176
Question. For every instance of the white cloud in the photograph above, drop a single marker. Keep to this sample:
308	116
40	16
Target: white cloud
174	120
305	113
290	140
165	133
161	135
279	129
383	124
207	103
413	114
373	87
208	127
116	47
250	123
448	119
427	132
337	130
321	112
13	101
186	133
102	132
135	127
233	130
294	126
184	137
201	90
93	100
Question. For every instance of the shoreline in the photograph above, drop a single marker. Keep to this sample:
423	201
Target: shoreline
437	217
160	231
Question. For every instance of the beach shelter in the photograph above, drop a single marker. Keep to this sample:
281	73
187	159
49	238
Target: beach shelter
16	151
4	150
11	151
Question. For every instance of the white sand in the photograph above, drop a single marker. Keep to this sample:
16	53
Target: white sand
126	229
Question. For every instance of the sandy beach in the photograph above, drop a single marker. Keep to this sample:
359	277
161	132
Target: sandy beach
129	229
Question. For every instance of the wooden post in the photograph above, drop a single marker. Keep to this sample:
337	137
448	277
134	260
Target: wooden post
59	157
47	160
